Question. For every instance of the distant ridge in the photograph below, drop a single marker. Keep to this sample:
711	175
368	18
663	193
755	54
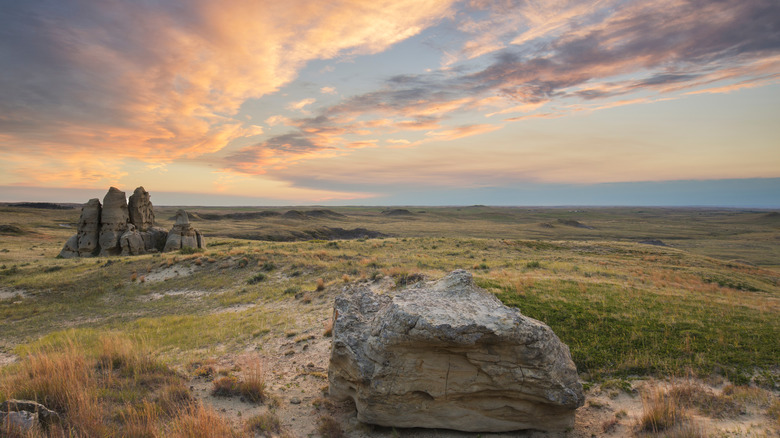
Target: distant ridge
42	205
397	212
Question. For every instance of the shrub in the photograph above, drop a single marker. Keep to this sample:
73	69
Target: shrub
263	424
292	290
226	386
328	427
257	278
320	285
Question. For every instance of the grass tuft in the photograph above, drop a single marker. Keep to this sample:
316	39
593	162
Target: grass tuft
328	427
266	423
660	412
200	422
253	386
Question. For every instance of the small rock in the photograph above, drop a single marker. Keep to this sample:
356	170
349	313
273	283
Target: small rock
22	421
295	401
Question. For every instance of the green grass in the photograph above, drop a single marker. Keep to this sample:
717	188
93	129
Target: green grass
709	303
627	331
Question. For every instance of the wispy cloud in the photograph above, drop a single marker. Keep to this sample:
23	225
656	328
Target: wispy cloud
100	83
299	105
562	54
159	81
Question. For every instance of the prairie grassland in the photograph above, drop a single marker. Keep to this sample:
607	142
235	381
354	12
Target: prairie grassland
707	304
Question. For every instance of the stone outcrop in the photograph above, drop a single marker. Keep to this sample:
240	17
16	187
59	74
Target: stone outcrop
183	235
85	242
448	354
140	208
114	222
116	227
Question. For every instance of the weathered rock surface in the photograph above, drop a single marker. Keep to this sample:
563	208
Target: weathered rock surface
115	228
89	228
113	222
448	354
85	242
140	209
183	235
131	242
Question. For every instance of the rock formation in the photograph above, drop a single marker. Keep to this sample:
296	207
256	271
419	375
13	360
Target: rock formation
448	354
89	228
114	219
116	227
183	235
141	210
85	243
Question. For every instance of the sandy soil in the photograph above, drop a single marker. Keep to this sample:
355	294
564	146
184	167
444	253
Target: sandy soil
167	273
9	293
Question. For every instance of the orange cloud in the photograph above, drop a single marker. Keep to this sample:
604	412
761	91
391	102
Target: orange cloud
462	132
165	83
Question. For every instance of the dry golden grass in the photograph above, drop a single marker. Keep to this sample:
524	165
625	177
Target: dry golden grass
200	422
112	389
661	412
253	386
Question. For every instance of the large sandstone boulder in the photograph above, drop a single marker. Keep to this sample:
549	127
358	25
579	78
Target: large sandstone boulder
113	222
448	354
141	210
183	235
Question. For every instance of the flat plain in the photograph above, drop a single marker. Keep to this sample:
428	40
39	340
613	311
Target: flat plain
667	311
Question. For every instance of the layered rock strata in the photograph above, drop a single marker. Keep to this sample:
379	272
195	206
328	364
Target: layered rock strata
448	354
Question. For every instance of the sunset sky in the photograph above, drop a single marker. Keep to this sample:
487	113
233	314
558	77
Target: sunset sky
392	102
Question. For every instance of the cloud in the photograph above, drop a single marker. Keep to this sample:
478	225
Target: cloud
278	120
298	106
462	132
328	90
163	80
560	54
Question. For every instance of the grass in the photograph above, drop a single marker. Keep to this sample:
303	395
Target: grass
661	413
252	387
267	423
706	305
114	388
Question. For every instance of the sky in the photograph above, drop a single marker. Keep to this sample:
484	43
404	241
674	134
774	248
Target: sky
392	102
